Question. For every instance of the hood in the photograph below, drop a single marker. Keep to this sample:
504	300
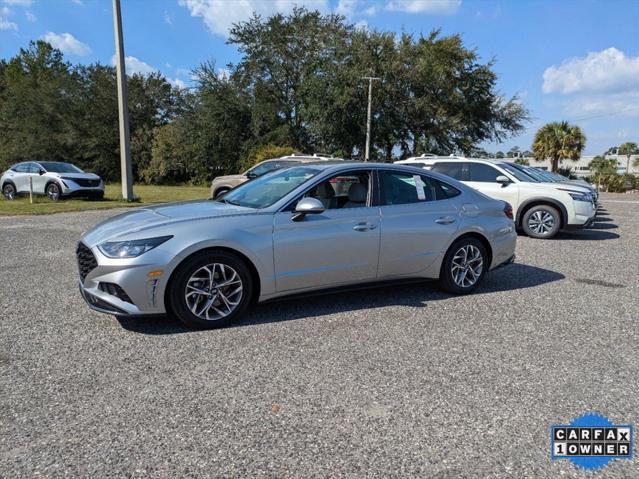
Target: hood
141	219
80	176
568	188
230	177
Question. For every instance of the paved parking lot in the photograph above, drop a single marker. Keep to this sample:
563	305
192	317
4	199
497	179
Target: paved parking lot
398	381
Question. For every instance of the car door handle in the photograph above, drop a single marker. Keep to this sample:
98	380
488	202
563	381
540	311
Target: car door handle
445	220
364	227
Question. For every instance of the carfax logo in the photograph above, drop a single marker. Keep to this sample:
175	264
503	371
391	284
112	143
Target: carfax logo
591	441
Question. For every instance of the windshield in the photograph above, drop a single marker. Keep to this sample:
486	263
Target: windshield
544	175
55	167
269	188
519	173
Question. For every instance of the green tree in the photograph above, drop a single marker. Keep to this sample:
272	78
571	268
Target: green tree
36	105
628	149
601	167
500	155
522	161
558	140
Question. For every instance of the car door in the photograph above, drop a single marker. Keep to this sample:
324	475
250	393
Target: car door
39	181
483	178
419	219
340	245
20	177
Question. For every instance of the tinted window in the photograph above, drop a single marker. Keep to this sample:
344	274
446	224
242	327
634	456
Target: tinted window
34	168
483	173
444	190
55	167
21	168
402	188
454	169
265	167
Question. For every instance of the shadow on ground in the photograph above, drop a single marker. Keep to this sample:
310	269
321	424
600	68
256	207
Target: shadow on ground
415	294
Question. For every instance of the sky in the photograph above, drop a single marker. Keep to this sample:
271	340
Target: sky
574	60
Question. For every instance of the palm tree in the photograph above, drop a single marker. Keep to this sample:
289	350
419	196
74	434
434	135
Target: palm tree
558	141
628	149
602	167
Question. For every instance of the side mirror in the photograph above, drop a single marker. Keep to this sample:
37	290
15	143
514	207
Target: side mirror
307	206
502	180
250	175
41	172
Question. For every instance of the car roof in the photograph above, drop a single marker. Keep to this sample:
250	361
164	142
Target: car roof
306	158
452	158
345	165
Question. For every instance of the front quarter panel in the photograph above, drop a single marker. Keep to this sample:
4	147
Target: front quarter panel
249	235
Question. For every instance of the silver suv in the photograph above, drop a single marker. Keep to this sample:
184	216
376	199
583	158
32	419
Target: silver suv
51	178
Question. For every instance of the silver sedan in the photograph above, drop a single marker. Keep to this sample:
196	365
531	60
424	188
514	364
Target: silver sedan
293	231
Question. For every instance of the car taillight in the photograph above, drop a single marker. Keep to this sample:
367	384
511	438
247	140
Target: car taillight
508	211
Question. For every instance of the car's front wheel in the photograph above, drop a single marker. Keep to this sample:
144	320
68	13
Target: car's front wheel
53	192
464	266
541	222
9	191
210	289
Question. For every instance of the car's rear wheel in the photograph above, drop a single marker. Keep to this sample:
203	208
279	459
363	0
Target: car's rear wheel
464	266
53	192
541	222
9	191
210	290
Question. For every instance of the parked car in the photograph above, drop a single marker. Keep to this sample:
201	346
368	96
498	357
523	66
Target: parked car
290	231
222	184
54	179
541	208
556	177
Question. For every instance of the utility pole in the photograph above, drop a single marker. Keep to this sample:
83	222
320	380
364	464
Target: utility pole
368	116
123	107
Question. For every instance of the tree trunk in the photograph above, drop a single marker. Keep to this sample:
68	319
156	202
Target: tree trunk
554	165
628	164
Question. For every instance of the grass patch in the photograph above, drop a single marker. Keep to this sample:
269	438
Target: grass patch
147	194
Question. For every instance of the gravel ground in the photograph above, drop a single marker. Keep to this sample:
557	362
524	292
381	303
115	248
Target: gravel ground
400	381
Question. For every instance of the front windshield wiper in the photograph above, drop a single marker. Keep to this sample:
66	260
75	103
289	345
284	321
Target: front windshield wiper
228	202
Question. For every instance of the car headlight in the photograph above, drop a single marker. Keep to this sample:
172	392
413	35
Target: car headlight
580	197
131	249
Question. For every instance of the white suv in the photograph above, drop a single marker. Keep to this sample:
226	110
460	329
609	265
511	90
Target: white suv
541	209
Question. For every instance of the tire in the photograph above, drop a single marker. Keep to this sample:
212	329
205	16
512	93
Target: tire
452	278
541	222
9	191
220	192
53	192
187	295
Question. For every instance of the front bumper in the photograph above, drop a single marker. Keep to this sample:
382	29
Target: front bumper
142	293
584	216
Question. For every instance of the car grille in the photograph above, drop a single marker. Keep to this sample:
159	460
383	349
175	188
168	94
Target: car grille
86	260
86	183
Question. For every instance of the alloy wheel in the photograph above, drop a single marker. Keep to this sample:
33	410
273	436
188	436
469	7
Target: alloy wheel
213	291
9	192
53	192
541	222
467	266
